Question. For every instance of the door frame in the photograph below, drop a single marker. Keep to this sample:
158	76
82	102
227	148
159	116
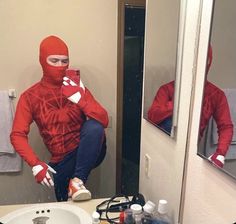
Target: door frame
120	84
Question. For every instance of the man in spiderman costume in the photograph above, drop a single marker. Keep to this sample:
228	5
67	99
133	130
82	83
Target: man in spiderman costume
70	121
214	104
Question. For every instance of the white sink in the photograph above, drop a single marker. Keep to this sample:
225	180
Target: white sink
48	213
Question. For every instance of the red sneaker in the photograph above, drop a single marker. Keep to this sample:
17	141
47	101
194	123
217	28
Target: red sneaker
78	191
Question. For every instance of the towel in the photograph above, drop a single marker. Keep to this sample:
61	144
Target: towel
10	161
231	97
6	118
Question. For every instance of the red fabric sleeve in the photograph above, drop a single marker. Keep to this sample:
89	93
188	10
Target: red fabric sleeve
224	124
162	106
92	109
20	131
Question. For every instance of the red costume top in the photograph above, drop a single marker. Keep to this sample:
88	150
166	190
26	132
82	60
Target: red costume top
58	119
162	105
214	104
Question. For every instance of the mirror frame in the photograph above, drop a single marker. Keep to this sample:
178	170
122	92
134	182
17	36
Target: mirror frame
178	70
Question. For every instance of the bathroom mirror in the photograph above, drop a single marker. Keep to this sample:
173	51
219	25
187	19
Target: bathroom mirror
222	75
160	105
90	30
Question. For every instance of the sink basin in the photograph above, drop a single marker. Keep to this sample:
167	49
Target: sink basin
48	213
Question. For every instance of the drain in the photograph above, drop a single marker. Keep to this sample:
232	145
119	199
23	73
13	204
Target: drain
40	220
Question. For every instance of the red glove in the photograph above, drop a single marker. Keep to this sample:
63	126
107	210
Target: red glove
217	159
40	172
73	87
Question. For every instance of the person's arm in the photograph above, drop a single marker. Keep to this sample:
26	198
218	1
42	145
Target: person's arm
19	139
20	130
225	130
92	109
224	125
162	106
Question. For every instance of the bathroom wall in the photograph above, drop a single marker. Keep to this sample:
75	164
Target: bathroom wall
167	154
90	30
210	195
222	37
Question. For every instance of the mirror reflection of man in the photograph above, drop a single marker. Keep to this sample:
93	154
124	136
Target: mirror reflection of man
215	105
70	121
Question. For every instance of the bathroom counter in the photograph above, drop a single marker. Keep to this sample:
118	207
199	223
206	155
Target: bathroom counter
88	206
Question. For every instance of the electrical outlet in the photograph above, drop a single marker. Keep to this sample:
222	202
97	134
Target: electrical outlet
147	163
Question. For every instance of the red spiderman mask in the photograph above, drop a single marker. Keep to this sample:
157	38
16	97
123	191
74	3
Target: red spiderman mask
52	75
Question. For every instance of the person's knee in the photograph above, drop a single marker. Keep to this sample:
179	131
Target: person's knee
93	127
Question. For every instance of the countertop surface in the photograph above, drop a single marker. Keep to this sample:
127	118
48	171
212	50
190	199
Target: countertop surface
88	206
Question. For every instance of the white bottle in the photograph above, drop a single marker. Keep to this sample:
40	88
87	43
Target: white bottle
162	217
95	218
148	212
137	212
149	207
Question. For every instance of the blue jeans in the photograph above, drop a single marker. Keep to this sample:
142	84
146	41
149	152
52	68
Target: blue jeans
78	163
166	124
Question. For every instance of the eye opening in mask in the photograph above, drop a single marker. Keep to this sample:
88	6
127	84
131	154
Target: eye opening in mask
58	60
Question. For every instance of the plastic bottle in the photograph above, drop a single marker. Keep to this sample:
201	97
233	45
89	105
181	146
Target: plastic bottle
122	217
137	212
148	211
128	216
162	217
149	207
95	218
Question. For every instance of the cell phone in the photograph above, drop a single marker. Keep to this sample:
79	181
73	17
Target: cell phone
74	75
72	72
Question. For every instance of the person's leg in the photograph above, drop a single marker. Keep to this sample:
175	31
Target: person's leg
91	150
166	124
65	171
90	153
102	153
78	164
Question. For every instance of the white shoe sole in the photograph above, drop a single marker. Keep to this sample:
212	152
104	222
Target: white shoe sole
81	195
